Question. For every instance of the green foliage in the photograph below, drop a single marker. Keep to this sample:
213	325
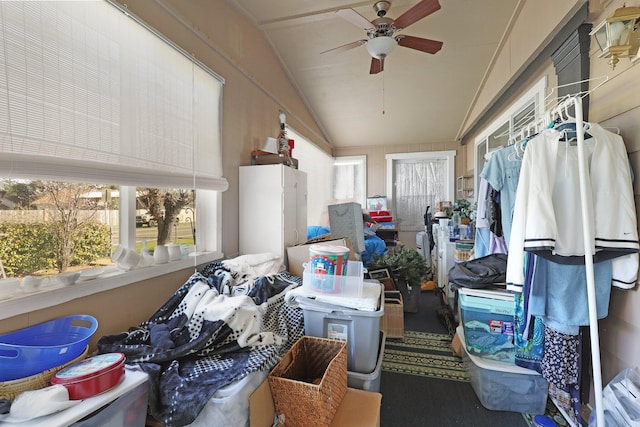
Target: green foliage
94	243
406	264
28	248
464	207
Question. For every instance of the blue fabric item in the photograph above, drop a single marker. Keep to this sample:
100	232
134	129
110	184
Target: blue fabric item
374	245
502	172
528	330
559	294
314	231
481	243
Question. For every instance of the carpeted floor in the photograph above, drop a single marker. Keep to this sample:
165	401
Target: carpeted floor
423	384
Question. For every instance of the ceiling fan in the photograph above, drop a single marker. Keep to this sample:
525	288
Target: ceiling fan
382	32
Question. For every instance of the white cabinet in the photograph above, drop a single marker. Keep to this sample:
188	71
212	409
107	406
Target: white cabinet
273	209
445	260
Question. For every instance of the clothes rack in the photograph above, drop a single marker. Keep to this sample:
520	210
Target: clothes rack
560	110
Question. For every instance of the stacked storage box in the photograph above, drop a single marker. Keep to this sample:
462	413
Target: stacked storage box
487	327
504	386
359	329
487	317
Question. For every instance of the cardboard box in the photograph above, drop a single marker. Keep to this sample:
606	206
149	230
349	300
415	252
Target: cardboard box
298	255
392	322
309	382
359	408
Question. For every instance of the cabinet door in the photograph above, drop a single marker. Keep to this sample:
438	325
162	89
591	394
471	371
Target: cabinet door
294	206
261	209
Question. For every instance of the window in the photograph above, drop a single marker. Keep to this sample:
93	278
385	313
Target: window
92	97
418	180
508	126
350	179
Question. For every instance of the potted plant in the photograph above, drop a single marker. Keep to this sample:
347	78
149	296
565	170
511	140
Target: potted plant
408	268
464	208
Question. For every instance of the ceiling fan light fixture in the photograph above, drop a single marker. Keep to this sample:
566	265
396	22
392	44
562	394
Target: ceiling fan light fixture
381	47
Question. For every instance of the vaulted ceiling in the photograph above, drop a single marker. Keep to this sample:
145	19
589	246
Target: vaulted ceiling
418	98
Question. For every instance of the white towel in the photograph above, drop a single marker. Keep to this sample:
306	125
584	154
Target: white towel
368	301
37	403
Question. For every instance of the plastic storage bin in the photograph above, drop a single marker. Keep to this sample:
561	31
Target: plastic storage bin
360	329
35	349
349	285
128	410
505	387
369	382
487	317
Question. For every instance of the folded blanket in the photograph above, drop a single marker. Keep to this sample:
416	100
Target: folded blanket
368	301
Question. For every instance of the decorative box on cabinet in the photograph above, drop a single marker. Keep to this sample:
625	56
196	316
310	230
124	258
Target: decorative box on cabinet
272	209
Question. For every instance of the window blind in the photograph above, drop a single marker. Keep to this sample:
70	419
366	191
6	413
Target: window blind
88	94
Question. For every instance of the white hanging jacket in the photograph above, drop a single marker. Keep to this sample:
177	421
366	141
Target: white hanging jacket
547	217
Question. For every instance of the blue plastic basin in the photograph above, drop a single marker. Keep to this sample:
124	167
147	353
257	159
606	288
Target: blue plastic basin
40	347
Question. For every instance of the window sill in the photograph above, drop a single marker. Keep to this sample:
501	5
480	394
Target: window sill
52	296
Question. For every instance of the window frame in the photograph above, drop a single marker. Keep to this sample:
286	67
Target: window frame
360	160
208	207
448	156
535	95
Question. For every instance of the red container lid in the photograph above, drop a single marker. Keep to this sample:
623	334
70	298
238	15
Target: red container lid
89	368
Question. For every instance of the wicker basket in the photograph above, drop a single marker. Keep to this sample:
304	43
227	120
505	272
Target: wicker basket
308	384
10	389
392	322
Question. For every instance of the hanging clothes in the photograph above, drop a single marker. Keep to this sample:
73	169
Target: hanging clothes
545	220
502	172
486	242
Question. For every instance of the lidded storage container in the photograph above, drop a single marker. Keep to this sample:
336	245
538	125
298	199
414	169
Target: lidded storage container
92	376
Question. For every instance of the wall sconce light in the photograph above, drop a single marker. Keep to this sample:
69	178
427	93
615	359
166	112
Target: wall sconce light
613	35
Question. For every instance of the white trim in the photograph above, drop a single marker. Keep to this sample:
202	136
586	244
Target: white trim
51	296
536	94
449	155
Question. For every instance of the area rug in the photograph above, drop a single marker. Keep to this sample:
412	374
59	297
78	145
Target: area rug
429	355
423	354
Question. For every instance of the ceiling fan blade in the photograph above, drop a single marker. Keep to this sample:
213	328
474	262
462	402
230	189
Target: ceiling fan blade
355	18
345	47
416	13
417	43
377	65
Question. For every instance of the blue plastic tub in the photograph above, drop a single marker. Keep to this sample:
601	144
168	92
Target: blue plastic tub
31	350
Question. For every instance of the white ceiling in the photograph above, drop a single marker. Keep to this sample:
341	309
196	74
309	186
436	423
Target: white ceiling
418	98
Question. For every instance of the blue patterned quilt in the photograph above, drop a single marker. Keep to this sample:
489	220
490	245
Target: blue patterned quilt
209	334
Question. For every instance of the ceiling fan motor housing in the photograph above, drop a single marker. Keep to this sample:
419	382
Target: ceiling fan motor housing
381	7
384	27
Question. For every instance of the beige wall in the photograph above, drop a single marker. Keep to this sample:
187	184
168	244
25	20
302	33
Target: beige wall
377	168
536	24
116	310
617	104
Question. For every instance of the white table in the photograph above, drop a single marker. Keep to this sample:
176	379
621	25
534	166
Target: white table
132	379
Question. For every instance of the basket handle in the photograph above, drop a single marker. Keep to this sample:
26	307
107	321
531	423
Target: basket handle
8	352
83	321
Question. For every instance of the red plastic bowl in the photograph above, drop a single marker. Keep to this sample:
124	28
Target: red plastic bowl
91	376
